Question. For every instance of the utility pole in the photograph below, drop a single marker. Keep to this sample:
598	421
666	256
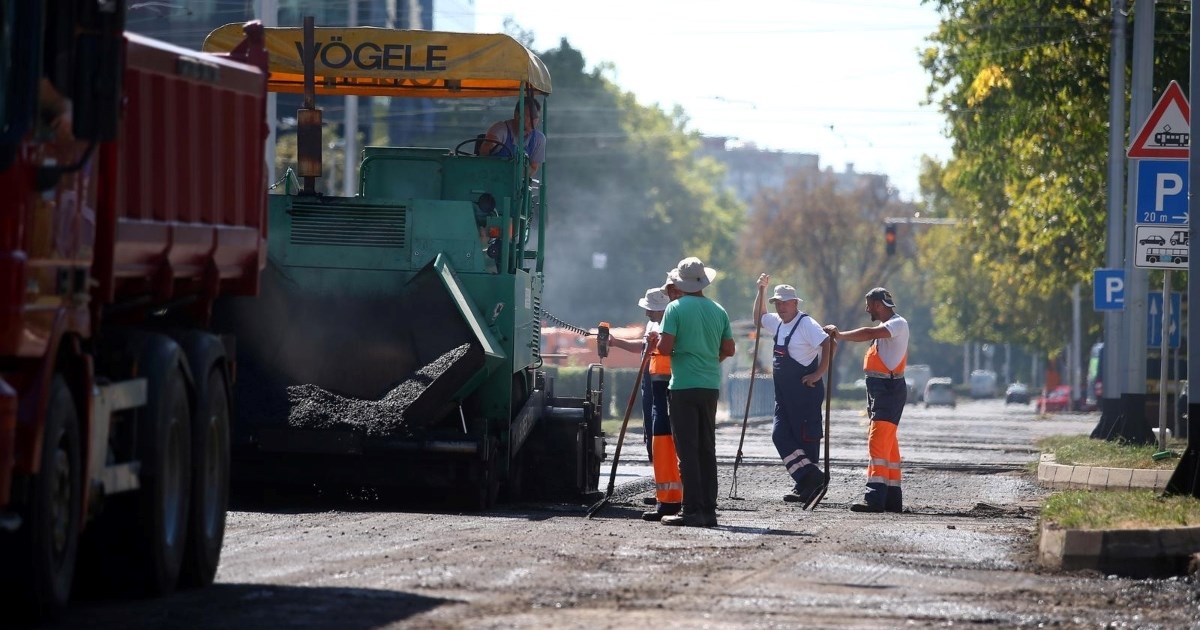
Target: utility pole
1186	479
1133	397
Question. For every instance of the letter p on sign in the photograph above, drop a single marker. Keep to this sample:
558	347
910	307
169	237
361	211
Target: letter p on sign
1109	292
1167	185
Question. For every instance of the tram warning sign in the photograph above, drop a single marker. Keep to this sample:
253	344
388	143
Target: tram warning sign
1167	132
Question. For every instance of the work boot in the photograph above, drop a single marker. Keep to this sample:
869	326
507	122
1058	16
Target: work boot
895	500
807	489
663	509
865	507
688	520
649	500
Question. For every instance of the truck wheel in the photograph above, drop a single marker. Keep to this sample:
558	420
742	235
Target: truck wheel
166	479
210	480
46	545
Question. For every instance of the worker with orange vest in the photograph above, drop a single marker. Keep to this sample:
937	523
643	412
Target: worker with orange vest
668	489
886	394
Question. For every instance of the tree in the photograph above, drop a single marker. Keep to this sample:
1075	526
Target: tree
828	240
625	187
1024	87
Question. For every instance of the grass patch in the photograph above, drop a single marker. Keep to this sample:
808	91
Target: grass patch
1120	509
1081	450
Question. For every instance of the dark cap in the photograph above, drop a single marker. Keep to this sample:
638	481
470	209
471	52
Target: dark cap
883	295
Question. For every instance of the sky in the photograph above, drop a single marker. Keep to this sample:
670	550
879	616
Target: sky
838	78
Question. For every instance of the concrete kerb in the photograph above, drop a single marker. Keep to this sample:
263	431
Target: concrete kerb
1134	553
1137	553
1055	475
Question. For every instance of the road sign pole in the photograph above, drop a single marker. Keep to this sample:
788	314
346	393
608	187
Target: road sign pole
1164	342
1186	478
1133	353
1114	320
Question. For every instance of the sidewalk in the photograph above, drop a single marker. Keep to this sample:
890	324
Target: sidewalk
1129	552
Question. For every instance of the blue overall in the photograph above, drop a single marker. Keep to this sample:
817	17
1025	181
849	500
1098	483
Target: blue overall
797	428
648	414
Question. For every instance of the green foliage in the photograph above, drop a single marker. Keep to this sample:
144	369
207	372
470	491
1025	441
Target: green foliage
1024	88
624	180
1120	509
825	239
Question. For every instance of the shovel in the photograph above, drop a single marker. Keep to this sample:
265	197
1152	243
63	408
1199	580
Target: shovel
612	477
749	397
812	505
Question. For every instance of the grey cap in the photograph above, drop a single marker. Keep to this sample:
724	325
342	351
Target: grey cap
883	295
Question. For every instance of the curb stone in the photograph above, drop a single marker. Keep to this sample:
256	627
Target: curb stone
1054	475
1137	553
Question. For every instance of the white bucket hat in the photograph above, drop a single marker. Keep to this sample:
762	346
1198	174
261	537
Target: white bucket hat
785	293
656	300
690	275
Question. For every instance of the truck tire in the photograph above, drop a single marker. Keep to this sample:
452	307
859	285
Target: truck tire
210	479
165	453
46	544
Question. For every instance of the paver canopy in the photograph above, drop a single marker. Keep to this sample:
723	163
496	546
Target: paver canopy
370	61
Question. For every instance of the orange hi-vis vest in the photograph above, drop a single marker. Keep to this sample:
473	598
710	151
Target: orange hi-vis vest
660	364
873	364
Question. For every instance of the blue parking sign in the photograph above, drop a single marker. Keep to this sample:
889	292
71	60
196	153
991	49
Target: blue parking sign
1109	290
1162	192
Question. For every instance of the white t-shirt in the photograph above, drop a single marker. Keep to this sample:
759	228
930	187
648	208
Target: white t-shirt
652	327
893	349
806	341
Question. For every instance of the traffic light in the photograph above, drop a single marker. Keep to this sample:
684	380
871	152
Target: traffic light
889	238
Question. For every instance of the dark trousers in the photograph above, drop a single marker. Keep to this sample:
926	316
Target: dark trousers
647	415
694	426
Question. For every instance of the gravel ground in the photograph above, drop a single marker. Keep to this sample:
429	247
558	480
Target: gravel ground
962	554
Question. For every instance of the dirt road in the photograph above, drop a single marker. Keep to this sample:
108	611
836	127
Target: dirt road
961	555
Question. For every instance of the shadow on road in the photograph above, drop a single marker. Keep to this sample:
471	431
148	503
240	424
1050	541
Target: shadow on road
253	606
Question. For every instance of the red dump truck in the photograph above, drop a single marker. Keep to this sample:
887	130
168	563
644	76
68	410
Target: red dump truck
133	175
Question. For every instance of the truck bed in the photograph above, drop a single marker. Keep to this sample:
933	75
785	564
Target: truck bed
181	207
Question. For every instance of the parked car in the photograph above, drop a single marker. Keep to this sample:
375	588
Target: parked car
1016	393
940	391
983	384
1057	399
916	376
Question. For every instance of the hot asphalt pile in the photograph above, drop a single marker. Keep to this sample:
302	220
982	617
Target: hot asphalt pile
312	407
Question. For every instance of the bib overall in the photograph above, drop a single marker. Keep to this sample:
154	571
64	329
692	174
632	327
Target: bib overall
797	429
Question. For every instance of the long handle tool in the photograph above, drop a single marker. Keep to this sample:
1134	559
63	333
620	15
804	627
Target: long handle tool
812	505
612	477
749	397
